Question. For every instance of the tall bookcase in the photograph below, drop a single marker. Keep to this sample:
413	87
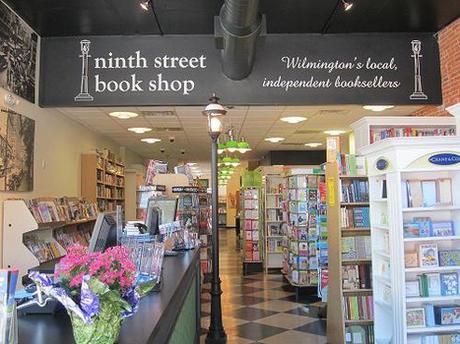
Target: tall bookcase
103	180
416	237
350	315
252	229
273	192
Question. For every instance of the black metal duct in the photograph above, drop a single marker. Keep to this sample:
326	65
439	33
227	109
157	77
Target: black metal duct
239	25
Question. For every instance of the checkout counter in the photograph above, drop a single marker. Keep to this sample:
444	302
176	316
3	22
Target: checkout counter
170	316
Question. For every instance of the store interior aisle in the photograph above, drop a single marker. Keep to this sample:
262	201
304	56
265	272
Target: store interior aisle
258	308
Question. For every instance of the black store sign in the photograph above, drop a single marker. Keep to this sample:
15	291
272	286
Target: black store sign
398	69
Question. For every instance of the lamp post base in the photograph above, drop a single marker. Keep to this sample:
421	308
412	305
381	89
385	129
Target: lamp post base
217	337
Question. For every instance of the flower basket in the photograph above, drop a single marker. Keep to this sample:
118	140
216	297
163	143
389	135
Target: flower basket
104	329
97	289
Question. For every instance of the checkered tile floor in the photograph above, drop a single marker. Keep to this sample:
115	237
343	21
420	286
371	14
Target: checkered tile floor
258	308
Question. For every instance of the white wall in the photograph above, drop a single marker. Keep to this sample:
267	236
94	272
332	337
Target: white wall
59	143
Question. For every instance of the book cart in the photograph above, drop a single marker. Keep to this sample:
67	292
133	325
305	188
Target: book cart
274	234
37	232
415	212
252	229
350	294
305	250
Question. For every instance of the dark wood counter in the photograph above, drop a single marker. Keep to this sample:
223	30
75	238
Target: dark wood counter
155	320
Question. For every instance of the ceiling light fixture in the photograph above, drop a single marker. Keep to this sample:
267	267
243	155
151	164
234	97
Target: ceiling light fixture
123	114
377	108
139	130
191	163
334	132
293	119
313	144
145	5
274	139
150	140
347	5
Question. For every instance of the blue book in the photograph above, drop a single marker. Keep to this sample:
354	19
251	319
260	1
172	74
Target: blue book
449	284
429	314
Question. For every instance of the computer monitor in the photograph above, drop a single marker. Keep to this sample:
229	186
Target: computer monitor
104	233
160	210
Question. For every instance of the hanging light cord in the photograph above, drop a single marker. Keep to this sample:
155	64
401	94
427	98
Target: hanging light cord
156	18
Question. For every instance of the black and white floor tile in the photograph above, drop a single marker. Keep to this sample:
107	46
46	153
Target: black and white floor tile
259	308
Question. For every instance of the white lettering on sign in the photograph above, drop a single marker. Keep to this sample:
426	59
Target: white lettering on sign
136	61
341	70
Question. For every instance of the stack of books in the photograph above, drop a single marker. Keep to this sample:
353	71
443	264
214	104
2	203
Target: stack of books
355	191
356	247
383	133
358	307
357	217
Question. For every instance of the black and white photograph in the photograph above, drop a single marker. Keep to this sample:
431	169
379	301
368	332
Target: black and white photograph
17	134
18	50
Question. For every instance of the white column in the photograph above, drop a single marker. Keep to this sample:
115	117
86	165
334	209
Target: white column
454	110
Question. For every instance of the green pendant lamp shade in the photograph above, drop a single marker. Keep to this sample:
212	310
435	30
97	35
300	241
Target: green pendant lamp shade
243	146
232	146
221	147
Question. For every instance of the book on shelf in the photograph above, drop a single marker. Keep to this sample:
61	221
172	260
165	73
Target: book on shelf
356	247
415	317
356	217
453	338
358	307
355	190
435	284
43	250
428	255
61	209
419	193
80	237
359	334
377	134
355	277
351	165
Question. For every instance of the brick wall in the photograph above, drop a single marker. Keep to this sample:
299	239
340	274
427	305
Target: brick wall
449	50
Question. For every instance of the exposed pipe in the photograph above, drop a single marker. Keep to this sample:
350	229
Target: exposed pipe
240	25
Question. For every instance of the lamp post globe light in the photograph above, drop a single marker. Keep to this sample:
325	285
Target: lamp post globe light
216	334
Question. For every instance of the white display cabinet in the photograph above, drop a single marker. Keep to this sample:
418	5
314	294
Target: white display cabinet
400	163
366	126
19	224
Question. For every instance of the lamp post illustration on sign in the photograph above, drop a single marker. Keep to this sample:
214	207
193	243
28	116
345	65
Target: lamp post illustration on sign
418	91
84	95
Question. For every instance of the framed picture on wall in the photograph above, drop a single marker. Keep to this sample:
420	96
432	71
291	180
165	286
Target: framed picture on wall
17	135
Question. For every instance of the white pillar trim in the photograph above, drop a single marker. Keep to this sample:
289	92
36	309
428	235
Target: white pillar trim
454	110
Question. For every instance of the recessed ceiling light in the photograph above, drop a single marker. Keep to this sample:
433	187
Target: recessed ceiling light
347	5
275	139
313	144
334	132
139	130
293	119
377	108
150	140
123	114
191	163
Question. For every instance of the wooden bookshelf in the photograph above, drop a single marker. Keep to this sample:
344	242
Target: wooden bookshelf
336	318
103	181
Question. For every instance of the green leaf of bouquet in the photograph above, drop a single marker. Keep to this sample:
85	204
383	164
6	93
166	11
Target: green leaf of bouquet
98	287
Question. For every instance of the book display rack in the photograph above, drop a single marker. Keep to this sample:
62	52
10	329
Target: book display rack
306	241
205	233
350	287
38	231
274	233
416	238
252	228
103	180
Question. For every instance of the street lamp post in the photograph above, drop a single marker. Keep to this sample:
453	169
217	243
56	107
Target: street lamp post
216	333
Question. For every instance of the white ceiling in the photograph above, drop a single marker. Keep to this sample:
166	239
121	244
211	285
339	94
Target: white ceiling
189	127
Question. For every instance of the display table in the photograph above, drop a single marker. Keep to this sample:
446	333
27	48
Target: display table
170	316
